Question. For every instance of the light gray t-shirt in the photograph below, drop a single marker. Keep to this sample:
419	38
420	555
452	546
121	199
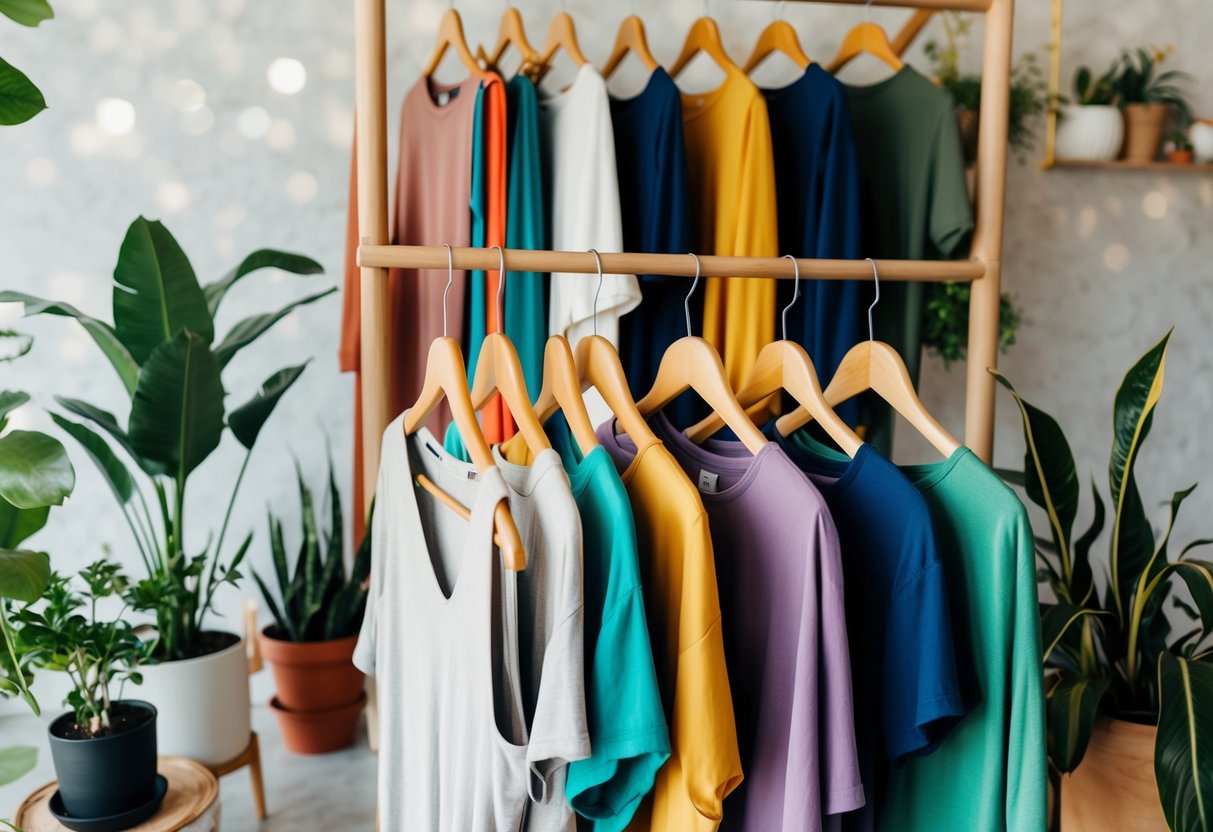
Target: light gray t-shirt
479	669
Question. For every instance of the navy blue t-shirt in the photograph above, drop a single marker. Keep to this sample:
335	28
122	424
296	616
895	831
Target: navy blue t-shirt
651	163
818	197
904	675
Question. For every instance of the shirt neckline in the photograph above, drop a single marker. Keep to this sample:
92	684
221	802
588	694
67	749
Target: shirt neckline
747	466
894	80
927	475
624	104
812	69
429	87
814	457
558	100
693	110
612	442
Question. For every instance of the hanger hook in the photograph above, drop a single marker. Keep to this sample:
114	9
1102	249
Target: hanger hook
779	12
501	273
795	292
686	303
597	291
867	12
876	279
450	279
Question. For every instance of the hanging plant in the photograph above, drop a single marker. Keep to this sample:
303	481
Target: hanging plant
945	321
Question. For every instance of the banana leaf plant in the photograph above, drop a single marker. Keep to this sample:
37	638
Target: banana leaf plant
1108	640
166	354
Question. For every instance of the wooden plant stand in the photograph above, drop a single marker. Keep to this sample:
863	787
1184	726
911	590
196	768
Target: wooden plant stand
251	757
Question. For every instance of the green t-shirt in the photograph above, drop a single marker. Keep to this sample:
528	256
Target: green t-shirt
990	772
915	203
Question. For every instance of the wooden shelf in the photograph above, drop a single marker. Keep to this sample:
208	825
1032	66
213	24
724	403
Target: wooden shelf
1123	164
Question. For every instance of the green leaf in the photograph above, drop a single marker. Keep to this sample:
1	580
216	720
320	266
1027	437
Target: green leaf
10	400
27	12
1082	546
1132	539
16	762
99	451
1057	620
1183	751
18	524
34	470
279	619
247	420
1072	707
25	343
20	100
156	295
1198	577
109	424
102	333
177	413
1010	476
253	327
23	575
266	258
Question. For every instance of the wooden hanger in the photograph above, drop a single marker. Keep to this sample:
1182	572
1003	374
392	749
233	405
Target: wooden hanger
513	33
866	38
778	37
876	366
692	363
784	365
630	38
450	36
562	34
703	36
499	370
446	377
562	391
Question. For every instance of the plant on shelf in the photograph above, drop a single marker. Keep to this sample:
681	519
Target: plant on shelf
20	99
1117	670
104	748
945	321
317	614
1179	148
164	350
1147	97
1091	127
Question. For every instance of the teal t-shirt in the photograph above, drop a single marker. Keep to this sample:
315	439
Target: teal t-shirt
990	772
474	314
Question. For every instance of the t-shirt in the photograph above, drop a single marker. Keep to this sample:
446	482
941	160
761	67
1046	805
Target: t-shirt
453	740
628	732
526	292
785	634
915	201
652	164
583	204
732	177
817	186
990	773
903	666
678	573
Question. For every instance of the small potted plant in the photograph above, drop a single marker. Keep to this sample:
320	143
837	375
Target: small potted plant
317	614
1147	97
1091	128
1179	148
104	748
1130	699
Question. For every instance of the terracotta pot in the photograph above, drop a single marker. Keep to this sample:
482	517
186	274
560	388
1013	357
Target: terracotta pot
318	732
1179	157
1114	787
313	675
1144	125
1091	133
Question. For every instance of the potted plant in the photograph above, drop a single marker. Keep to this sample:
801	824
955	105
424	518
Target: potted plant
1147	96
1179	148
165	352
317	614
1091	128
1130	702
104	748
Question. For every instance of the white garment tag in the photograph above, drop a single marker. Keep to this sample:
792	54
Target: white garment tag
444	98
707	481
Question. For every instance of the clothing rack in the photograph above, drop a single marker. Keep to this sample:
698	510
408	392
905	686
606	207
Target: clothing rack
375	255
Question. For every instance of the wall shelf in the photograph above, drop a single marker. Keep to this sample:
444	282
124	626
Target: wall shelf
1124	164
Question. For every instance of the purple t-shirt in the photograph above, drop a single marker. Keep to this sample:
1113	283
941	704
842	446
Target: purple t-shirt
783	616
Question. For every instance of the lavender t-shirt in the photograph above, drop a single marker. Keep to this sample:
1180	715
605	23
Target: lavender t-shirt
783	615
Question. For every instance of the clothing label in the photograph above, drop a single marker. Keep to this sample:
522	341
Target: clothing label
437	453
444	98
707	481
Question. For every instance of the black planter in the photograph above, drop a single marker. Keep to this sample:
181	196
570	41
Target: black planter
107	775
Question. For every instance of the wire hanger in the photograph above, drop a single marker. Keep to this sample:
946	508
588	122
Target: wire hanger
631	37
446	377
867	38
876	366
562	34
784	365
450	36
499	370
512	32
778	36
703	36
692	363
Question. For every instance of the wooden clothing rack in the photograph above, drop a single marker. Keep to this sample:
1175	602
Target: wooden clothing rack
376	256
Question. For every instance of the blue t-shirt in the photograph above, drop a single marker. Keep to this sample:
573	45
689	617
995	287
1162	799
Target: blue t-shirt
904	677
818	198
651	162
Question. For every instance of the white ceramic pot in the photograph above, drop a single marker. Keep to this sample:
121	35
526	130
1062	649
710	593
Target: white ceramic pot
1201	136
1090	133
203	703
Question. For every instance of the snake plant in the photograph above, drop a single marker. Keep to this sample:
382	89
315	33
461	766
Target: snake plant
1108	640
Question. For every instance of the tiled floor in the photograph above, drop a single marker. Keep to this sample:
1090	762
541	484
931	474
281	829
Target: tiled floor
334	791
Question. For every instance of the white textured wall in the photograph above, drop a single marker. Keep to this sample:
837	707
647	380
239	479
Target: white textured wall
1099	275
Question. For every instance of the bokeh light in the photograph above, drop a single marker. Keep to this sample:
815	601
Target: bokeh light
287	76
115	116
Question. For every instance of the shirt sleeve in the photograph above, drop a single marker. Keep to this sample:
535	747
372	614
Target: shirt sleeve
365	647
950	219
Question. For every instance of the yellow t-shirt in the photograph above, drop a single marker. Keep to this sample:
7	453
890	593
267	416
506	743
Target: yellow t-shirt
732	180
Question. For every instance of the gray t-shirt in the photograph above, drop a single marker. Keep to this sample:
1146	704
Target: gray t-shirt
479	669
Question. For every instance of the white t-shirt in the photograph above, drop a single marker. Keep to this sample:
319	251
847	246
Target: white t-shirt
579	160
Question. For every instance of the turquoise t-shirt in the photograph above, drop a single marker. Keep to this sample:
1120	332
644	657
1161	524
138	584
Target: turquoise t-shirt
990	772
